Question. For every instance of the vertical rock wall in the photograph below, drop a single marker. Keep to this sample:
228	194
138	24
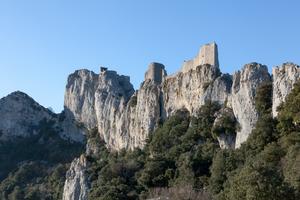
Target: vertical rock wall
284	77
125	117
76	184
245	83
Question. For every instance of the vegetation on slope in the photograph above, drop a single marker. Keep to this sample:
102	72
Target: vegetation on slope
182	159
34	168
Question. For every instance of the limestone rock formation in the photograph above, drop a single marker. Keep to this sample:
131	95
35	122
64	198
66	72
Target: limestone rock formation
198	81
21	115
143	116
76	184
125	117
189	89
225	127
80	97
284	77
244	87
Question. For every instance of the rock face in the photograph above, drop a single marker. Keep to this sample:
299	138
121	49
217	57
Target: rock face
245	83
190	89
284	77
143	116
80	97
21	115
76	184
125	117
224	128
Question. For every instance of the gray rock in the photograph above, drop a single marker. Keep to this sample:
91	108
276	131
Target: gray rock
220	90
226	137
80	97
284	77
144	117
21	116
245	83
191	89
125	117
76	184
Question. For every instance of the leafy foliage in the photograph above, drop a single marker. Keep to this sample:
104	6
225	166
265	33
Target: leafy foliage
179	152
35	167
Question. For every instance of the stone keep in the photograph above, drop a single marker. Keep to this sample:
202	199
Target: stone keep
156	72
208	54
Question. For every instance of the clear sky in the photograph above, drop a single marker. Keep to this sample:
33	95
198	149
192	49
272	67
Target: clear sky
41	41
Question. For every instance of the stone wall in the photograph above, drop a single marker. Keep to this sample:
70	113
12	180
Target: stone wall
208	54
156	72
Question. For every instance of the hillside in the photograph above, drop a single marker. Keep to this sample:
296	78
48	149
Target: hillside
195	134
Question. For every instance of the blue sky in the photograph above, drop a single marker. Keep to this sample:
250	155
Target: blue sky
41	42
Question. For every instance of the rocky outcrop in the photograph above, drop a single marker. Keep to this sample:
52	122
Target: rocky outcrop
224	128
284	77
80	97
111	97
125	117
143	113
21	116
245	83
76	184
190	89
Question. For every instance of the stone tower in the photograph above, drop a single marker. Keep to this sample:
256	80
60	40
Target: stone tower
208	54
156	72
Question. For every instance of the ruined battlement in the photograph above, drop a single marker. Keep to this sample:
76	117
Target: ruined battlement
156	72
208	54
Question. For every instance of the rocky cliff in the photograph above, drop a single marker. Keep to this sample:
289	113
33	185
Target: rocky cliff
21	116
76	184
284	77
245	83
125	117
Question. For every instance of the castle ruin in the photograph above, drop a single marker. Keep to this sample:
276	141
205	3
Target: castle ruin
156	72
208	54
